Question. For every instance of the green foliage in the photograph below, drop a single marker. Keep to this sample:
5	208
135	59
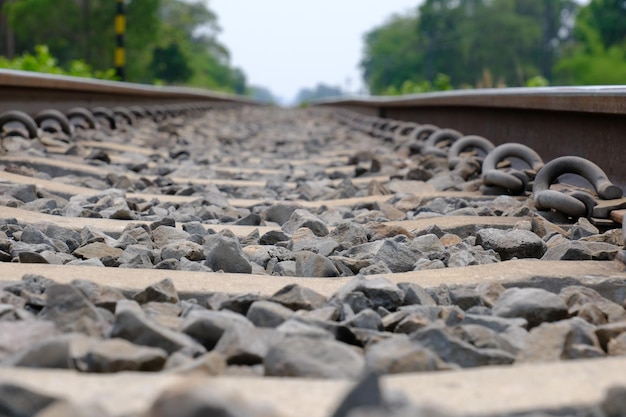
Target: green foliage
483	43
537	81
169	41
598	54
43	61
321	91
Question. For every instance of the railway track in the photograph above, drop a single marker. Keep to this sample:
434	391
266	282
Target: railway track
263	261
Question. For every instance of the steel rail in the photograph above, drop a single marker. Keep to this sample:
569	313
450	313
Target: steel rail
32	92
555	121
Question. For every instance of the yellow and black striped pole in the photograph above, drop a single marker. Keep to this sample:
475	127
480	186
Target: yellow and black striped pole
120	29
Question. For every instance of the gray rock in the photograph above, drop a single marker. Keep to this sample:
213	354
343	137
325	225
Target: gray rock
566	339
137	256
207	327
160	292
454	350
262	254
53	352
309	264
298	357
305	239
244	345
571	251
224	253
465	298
16	336
414	294
18	401
97	250
281	212
273	236
297	297
349	234
303	218
100	295
380	291
71	311
399	355
165	235
183	249
378	268
533	304
116	355
202	400
514	243
240	303
294	327
576	297
268	314
285	269
365	395
135	327
397	257
484	338
490	292
582	228
365	319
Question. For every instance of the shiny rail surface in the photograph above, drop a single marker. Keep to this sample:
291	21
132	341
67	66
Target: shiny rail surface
32	92
583	121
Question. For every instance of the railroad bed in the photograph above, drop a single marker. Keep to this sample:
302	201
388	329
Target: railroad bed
271	262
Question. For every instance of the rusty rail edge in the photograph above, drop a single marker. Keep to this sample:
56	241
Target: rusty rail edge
32	92
555	121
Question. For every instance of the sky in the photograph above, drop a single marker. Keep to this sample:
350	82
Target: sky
287	45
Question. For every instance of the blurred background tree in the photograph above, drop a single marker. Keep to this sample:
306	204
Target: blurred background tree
167	41
497	43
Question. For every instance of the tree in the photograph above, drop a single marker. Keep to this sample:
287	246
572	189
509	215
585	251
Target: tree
598	54
392	55
474	42
320	91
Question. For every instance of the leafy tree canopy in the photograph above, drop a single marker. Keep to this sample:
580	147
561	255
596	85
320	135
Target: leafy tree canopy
169	41
489	43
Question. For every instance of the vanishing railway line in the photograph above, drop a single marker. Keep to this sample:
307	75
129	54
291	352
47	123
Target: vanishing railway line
243	256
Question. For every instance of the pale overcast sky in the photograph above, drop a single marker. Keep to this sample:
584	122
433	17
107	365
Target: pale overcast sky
285	45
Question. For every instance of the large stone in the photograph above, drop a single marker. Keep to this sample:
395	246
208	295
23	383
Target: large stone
225	254
398	355
160	292
18	401
380	291
299	357
135	327
183	249
297	297
281	212
192	400
100	295
116	355
244	345
71	311
98	250
576	297
397	257
207	327
165	235
454	350
309	264
303	218
305	239
514	243
566	339
348	234
16	336
268	314
533	304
